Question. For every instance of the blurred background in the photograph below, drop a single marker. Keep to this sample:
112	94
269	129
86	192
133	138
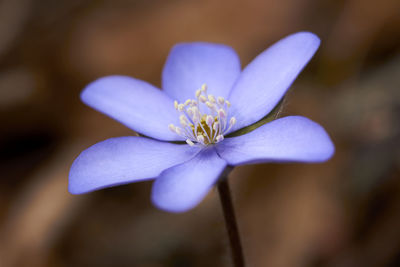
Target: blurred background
343	213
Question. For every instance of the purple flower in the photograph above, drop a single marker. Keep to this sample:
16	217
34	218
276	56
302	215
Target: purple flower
205	97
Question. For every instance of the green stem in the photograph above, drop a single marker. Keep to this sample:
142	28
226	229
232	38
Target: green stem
230	221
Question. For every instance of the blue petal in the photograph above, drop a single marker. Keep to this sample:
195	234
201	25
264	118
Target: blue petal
182	187
191	65
265	80
293	139
135	103
124	160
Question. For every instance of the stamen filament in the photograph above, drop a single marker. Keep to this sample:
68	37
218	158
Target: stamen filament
200	127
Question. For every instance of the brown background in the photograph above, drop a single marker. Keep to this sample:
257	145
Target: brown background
345	212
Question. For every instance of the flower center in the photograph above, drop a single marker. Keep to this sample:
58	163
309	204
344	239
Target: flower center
204	120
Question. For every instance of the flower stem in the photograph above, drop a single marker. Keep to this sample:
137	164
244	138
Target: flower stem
230	221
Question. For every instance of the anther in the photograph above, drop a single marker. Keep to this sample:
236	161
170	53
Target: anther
216	126
204	125
219	138
209	120
202	98
222	113
200	138
183	123
183	118
172	127
198	93
211	98
189	142
196	118
195	110
178	130
190	111
210	105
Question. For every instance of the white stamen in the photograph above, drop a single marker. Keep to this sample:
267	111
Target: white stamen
183	123
190	112
178	130
211	98
202	99
198	93
200	138
222	113
196	118
183	118
209	120
210	105
196	111
172	127
189	142
216	126
220	138
232	121
204	125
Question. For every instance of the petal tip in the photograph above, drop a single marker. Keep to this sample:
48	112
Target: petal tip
330	150
73	191
162	200
308	36
165	203
169	208
325	145
86	93
73	177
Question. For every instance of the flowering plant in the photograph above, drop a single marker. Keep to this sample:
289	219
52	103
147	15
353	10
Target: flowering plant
205	104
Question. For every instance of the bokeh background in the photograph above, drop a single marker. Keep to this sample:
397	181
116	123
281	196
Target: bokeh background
342	213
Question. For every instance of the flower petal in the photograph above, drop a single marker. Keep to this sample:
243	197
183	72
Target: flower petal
135	103
291	138
265	80
124	160
190	65
182	187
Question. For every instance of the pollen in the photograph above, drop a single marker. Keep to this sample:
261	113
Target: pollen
204	120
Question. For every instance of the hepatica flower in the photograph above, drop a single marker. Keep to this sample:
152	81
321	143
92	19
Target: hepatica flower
206	99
